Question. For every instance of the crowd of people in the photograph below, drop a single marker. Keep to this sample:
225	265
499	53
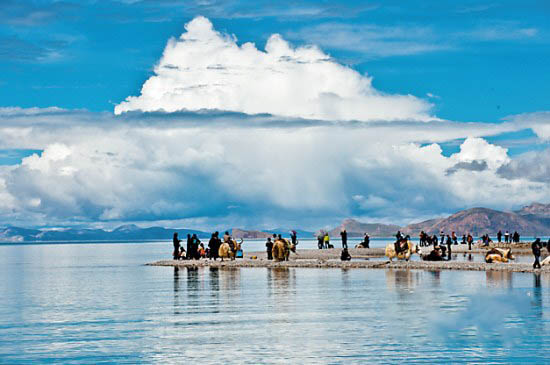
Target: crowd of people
195	249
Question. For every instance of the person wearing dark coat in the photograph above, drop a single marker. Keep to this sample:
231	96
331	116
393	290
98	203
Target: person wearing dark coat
269	248
499	236
294	238
366	241
213	246
189	247
535	247
345	256
344	236
176	242
449	243
320	241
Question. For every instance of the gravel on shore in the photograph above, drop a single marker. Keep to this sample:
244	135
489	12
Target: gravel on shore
331	259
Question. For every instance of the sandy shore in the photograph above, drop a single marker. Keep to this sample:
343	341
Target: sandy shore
331	259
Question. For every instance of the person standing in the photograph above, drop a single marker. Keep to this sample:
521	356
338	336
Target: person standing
293	238
189	247
344	236
506	237
326	239
499	236
176	242
320	241
535	247
470	239
449	243
213	247
269	248
366	241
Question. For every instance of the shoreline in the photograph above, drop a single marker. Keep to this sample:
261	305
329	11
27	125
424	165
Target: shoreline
330	259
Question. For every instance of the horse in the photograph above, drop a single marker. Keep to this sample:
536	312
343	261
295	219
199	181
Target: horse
229	249
499	255
403	255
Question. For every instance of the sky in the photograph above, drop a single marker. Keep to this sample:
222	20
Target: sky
203	114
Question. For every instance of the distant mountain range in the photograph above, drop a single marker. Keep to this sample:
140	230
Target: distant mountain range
355	228
123	233
531	220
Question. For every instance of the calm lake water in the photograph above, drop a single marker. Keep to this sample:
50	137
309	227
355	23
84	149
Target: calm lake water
94	303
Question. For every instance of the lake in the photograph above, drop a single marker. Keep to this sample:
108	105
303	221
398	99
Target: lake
99	303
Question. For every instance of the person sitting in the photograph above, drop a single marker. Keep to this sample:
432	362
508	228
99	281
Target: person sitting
201	251
435	255
345	256
400	246
366	241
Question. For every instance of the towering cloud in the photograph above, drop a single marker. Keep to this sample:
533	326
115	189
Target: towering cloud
205	69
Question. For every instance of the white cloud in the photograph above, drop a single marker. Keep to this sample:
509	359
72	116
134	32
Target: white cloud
478	149
539	122
204	69
501	32
222	169
372	39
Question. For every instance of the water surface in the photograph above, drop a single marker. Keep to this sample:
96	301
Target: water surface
94	303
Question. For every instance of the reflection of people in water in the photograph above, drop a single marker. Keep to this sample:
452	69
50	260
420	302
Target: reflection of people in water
402	279
537	294
501	279
192	280
214	276
176	289
176	279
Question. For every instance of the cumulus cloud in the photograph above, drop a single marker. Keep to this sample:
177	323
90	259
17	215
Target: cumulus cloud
481	151
533	166
256	171
204	69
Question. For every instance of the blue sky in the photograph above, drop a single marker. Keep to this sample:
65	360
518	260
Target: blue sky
439	83
482	61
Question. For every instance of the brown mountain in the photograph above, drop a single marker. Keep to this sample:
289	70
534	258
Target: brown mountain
479	221
358	229
241	233
536	210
